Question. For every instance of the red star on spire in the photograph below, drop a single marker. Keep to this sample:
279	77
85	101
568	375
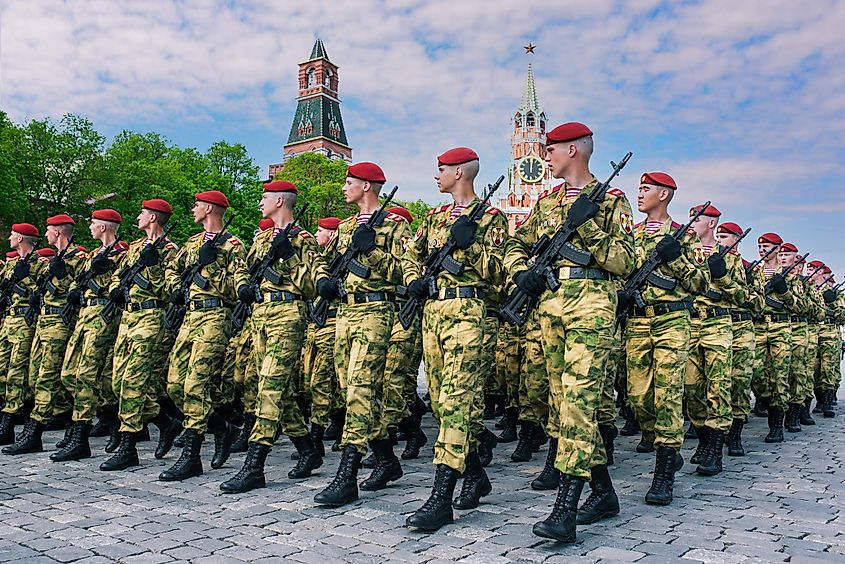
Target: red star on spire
529	48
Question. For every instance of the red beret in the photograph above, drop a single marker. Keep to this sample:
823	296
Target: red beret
770	238
729	227
26	229
815	264
711	211
456	156
403	212
788	248
12	255
280	186
369	172
107	215
61	219
329	223
567	132
46	253
157	206
827	270
265	224
213	197
658	179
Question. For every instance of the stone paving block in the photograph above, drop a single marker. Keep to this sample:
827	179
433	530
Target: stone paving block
68	553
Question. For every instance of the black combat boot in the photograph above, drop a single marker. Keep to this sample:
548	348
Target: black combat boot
70	429
508	425
29	440
711	462
224	434
608	433
548	478
791	423
102	426
819	393
489	407
703	441
540	438
168	430
524	448
251	476
692	432
415	438
775	425
804	416
189	463
387	467
486	443
631	427
180	440
143	435
125	456
437	509
338	420
58	422
560	525
666	464
335	428
735	438
645	445
602	502
344	488
309	459
78	447
369	462
316	433
241	442
7	429
829	401
476	484
761	406
114	436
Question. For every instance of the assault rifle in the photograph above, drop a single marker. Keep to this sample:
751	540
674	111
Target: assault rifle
12	285
130	275
813	273
648	271
348	262
441	259
751	266
548	250
713	293
767	289
192	275
258	272
44	283
85	281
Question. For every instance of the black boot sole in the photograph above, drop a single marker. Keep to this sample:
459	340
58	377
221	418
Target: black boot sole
548	532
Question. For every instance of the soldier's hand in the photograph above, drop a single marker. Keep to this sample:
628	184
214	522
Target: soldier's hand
717	265
21	270
327	289
583	209
281	247
778	283
208	253
57	269
624	300
364	239
418	289
118	296
74	297
530	282
829	296
177	298
101	264
749	277
668	249
35	301
463	232
246	294
149	256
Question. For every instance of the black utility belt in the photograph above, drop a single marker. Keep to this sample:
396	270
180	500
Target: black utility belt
660	309
331	314
812	322
459	292
208	303
741	316
89	302
18	311
774	317
493	313
282	297
710	312
581	273
51	310
829	322
146	304
366	297
799	319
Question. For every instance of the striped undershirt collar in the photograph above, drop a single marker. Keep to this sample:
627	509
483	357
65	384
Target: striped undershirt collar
456	211
653	226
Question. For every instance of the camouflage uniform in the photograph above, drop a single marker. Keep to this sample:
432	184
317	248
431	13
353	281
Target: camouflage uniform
319	371
453	327
533	391
744	357
830	342
239	367
657	345
801	375
16	342
774	343
576	321
400	352
508	358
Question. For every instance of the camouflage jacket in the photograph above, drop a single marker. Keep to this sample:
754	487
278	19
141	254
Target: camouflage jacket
100	282
778	303
225	275
755	301
299	273
729	291
19	294
815	310
154	284
56	293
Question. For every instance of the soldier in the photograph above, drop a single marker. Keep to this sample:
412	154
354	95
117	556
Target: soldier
830	342
278	318
364	323
91	343
201	341
534	408
508	358
16	335
576	320
453	332
707	384
51	336
658	335
139	346
814	317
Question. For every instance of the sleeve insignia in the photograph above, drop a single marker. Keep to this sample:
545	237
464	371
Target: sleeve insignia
419	233
698	255
616	192
311	256
627	222
406	242
498	234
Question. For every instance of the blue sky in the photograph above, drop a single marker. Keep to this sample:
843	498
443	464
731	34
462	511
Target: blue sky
742	102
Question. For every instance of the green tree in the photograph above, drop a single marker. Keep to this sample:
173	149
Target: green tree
320	183
13	201
418	210
233	164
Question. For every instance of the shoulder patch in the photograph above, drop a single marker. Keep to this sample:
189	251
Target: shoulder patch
546	193
438	209
615	192
675	225
733	252
304	233
234	240
196	236
638	225
350	218
492	210
169	245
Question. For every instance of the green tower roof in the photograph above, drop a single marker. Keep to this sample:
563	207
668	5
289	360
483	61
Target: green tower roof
319	51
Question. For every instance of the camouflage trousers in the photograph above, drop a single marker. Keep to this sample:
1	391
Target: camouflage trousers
576	331
534	385
45	368
394	404
85	360
657	351
360	352
15	345
279	332
453	338
830	341
774	345
412	366
759	381
606	414
318	367
488	368
811	360
239	367
139	358
742	367
106	395
508	358
707	381
491	378
799	372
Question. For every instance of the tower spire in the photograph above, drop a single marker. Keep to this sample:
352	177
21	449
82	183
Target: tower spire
529	93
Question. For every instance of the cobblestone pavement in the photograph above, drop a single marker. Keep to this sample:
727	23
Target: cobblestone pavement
779	503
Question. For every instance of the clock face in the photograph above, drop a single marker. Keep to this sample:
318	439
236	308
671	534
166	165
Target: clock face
531	169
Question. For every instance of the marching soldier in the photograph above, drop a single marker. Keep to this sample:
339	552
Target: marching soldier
830	343
453	332
814	314
787	256
658	335
577	320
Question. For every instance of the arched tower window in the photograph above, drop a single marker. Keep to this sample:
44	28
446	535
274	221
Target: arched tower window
517	120
311	77
327	79
529	119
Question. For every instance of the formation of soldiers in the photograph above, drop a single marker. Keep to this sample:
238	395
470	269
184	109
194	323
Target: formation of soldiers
319	337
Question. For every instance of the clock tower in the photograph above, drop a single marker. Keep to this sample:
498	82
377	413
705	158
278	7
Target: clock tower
528	174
